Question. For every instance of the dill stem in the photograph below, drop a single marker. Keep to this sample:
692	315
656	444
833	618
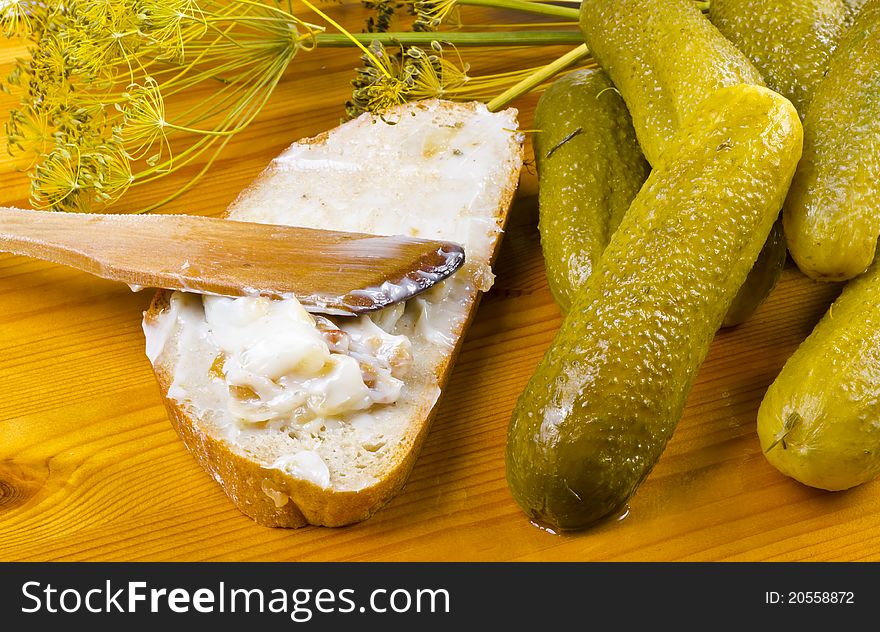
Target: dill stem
192	181
534	80
192	64
348	36
265	7
525	6
241	116
218	101
509	38
521	25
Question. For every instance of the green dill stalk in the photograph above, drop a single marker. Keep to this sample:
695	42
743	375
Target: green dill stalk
537	8
545	73
456	38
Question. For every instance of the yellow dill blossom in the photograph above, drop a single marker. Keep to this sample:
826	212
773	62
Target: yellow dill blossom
15	16
414	74
386	93
433	76
143	122
171	23
112	163
103	93
410	74
78	177
29	133
99	94
62	180
381	84
430	14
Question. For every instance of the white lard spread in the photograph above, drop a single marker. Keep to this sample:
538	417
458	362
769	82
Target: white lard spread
280	362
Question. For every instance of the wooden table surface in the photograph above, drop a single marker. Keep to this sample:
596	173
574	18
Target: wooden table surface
90	468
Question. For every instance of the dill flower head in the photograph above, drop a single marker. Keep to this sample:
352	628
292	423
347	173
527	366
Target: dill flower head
28	133
15	16
97	94
410	74
144	126
431	14
77	178
414	73
434	76
382	83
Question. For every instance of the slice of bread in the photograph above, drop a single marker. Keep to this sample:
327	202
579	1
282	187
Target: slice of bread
301	441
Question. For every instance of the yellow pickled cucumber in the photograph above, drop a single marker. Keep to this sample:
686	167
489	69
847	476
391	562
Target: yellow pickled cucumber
761	280
590	168
853	7
606	397
665	57
789	41
819	421
832	213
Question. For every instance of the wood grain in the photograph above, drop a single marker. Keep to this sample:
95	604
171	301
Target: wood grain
90	468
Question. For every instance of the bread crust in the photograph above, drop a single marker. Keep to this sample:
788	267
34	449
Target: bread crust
246	481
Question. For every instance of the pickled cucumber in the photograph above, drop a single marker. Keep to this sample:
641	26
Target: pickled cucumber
819	421
832	213
761	280
590	168
789	41
853	8
607	395
665	57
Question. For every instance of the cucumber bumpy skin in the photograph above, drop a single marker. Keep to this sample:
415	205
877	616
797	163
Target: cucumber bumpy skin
590	168
819	421
832	213
606	397
789	41
665	57
761	280
853	8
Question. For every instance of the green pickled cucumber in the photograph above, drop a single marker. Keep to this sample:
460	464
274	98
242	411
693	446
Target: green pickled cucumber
819	421
665	57
606	397
832	213
789	41
590	168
